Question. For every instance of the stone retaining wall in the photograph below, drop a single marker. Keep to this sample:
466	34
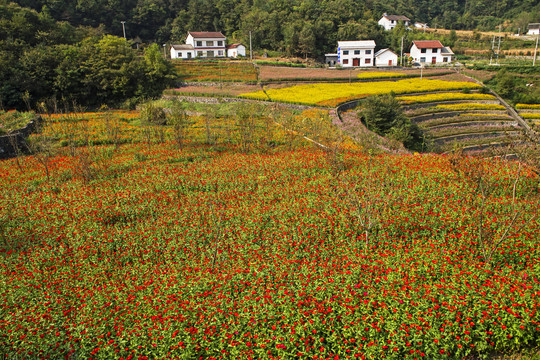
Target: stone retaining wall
17	138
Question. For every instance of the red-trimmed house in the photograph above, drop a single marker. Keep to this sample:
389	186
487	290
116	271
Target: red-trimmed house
431	52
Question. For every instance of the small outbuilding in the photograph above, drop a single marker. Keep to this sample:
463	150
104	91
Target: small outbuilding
182	51
236	50
534	29
331	60
386	57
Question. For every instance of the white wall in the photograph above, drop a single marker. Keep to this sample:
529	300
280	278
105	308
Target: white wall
365	57
384	59
181	54
238	51
427	57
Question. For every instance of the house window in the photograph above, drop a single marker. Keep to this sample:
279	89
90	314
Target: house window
199	53
423	51
209	43
368	52
345	52
422	59
445	59
220	43
220	52
356	52
368	61
179	54
435	51
189	55
199	43
345	61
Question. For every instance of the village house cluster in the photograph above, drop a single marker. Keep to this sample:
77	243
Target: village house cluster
206	45
360	53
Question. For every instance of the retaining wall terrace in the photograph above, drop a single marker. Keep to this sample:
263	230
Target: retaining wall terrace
15	142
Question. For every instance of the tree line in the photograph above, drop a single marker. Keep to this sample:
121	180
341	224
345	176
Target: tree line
49	65
276	23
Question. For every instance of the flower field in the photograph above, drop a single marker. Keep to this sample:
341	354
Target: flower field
471	106
427	98
316	94
92	128
218	71
197	253
527	106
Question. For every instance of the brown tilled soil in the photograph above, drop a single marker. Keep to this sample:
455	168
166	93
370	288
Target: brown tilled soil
288	73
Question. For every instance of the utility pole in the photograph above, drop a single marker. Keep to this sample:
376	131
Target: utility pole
402	51
492	49
124	28
499	47
535	50
250	47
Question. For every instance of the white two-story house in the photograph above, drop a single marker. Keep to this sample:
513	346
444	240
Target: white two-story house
200	44
356	53
430	52
390	21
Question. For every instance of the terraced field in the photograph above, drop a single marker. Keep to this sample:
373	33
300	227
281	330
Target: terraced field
474	122
531	114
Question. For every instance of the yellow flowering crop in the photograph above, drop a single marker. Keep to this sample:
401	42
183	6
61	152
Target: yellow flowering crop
471	106
530	115
528	106
316	94
443	97
378	75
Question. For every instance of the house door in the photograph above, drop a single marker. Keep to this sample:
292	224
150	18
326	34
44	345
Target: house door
433	60
356	62
389	62
210	53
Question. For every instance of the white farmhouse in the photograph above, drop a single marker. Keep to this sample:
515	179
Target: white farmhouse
356	53
200	44
390	21
534	29
386	57
430	52
236	50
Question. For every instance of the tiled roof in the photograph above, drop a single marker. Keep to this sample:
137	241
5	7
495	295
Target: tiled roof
383	51
207	34
182	47
397	17
428	44
234	46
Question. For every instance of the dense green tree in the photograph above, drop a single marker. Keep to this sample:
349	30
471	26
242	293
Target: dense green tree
383	115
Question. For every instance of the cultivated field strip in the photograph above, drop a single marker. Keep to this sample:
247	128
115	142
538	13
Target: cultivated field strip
461	120
530	113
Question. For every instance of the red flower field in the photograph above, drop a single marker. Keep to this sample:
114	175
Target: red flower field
207	252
